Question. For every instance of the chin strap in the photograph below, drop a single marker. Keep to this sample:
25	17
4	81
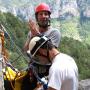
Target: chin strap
48	54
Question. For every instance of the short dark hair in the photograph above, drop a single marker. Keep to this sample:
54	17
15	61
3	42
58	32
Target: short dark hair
48	45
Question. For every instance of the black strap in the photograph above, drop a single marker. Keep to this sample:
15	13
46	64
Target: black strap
48	54
38	43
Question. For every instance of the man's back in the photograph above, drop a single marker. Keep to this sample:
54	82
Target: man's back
65	69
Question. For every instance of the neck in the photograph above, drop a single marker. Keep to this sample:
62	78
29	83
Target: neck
53	53
43	29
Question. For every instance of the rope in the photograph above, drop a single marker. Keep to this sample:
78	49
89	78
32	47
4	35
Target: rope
45	86
3	30
3	64
38	78
12	42
10	79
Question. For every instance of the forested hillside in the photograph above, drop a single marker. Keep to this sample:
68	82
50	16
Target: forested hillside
17	32
18	29
73	15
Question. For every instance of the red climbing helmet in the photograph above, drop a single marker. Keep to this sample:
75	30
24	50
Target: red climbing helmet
42	7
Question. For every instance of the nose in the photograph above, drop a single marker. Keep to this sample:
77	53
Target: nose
43	15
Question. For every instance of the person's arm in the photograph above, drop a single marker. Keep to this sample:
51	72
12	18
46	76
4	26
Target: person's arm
26	45
33	28
33	32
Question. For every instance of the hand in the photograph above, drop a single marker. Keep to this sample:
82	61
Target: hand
39	87
33	27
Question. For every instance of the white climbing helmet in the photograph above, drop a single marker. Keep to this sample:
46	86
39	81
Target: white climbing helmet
35	43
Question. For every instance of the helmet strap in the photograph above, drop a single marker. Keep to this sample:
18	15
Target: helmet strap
48	54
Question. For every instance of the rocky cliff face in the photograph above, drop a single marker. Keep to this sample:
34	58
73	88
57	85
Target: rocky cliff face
60	8
84	84
25	9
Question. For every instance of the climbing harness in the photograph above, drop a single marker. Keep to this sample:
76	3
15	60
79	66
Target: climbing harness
10	73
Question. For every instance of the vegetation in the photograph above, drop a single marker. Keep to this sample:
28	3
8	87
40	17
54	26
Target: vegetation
84	31
80	52
18	29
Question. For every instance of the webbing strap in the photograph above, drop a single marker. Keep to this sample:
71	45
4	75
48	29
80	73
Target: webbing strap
38	78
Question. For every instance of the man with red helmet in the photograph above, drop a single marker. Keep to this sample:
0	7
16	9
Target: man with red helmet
42	26
44	19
